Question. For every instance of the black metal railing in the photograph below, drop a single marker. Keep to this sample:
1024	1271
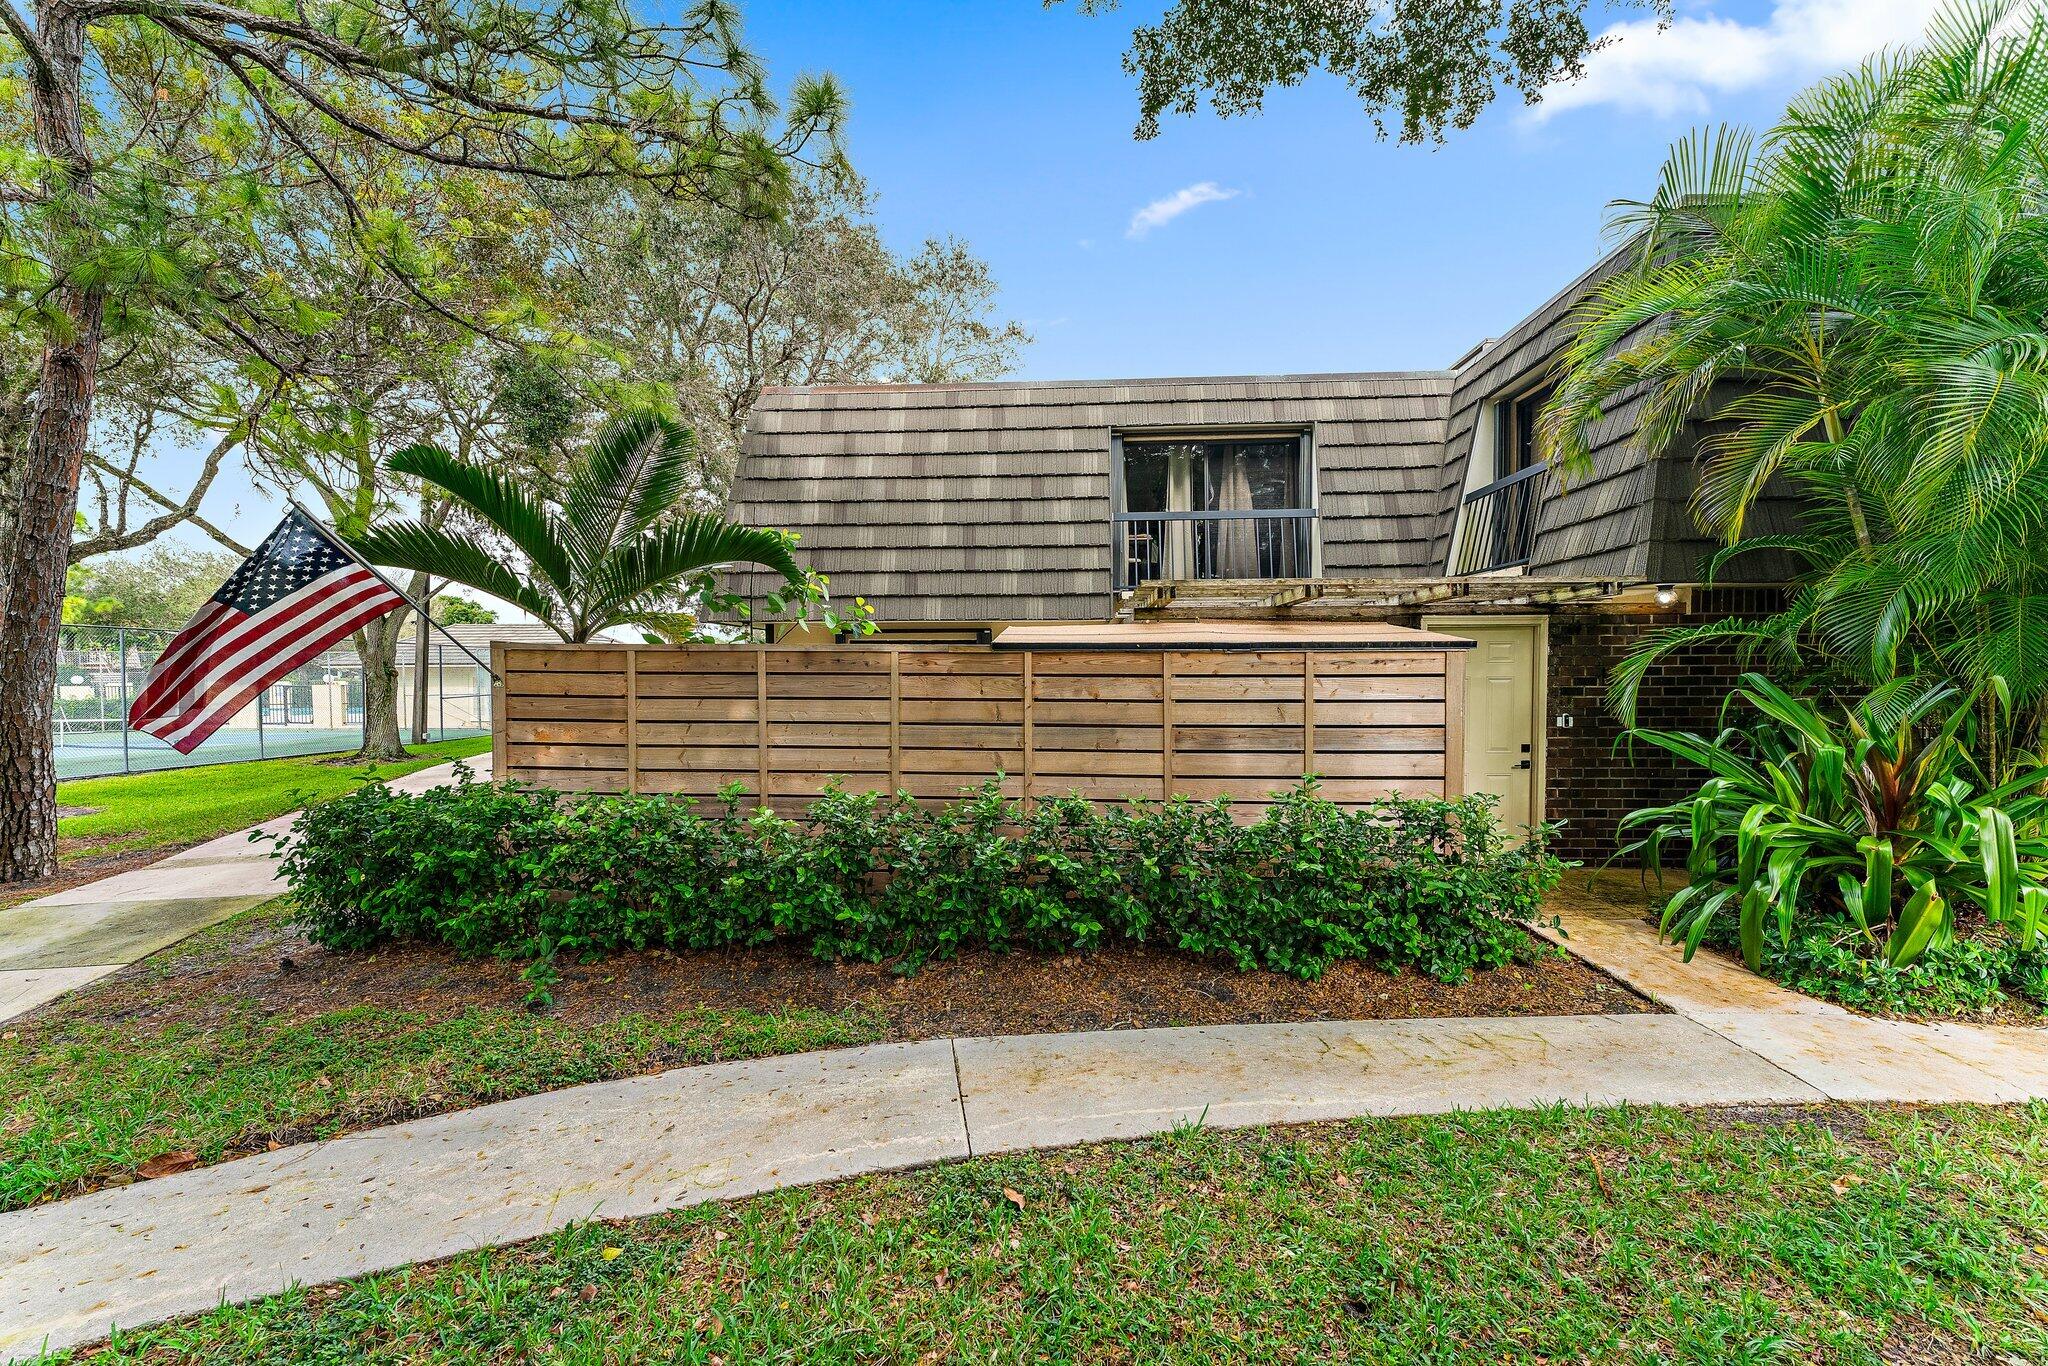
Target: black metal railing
1497	524
1275	543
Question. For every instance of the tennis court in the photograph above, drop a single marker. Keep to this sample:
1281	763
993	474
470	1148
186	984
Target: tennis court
94	753
316	709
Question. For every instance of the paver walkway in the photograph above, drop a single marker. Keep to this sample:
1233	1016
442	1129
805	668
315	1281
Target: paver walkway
499	1173
1848	1056
62	941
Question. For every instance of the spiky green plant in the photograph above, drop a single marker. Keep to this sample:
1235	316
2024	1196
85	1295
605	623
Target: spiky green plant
608	549
1859	298
1882	816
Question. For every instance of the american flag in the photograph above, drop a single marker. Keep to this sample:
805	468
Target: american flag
298	594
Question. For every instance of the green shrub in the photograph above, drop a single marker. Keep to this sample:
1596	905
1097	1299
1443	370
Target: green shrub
1883	819
1961	976
1433	884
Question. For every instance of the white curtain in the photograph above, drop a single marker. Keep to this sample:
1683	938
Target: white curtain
1237	540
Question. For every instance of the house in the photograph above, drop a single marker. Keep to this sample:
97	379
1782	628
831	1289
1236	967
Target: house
1406	496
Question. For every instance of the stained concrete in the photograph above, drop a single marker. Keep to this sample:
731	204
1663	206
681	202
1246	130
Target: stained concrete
65	934
255	875
1046	1090
1848	1056
1623	944
482	1177
23	989
60	942
1854	1058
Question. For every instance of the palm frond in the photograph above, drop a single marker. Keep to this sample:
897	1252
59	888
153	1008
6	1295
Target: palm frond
443	555
635	472
634	575
498	500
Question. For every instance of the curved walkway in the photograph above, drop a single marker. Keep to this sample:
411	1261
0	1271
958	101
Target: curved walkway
62	941
517	1169
71	1270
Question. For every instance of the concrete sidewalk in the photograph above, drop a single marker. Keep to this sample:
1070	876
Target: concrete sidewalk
1838	1052
62	941
500	1173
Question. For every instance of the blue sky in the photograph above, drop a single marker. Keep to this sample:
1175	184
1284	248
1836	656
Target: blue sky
1306	244
1009	124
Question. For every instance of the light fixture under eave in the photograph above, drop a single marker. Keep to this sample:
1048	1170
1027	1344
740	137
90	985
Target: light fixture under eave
1666	594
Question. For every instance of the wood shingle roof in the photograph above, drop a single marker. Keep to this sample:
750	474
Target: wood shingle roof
992	501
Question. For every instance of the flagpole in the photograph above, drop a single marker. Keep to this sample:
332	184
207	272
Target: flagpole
335	539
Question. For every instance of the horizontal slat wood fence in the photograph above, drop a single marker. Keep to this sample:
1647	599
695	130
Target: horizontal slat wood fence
933	720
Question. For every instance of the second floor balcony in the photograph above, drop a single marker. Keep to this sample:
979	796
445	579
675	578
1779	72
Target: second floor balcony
1264	543
1497	524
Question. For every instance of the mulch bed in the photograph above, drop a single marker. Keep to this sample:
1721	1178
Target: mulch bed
262	962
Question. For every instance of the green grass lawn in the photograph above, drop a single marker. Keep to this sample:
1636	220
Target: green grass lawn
94	1093
186	805
1638	1236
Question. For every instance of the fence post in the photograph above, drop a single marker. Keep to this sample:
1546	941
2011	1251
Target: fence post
895	721
121	648
761	717
261	697
500	770
1454	725
1030	749
1166	724
633	719
1308	713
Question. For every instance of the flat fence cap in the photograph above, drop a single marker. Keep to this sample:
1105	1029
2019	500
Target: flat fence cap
1225	635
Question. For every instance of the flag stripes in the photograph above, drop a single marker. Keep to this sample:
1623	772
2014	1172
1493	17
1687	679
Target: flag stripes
298	594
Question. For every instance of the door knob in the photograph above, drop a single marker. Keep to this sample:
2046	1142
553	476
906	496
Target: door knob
1524	764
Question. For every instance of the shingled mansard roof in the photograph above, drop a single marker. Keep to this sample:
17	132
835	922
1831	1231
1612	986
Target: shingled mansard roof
991	502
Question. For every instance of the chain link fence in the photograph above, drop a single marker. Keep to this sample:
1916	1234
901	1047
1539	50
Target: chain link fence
315	709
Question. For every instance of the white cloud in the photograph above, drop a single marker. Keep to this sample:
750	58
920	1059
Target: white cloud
1679	70
1160	212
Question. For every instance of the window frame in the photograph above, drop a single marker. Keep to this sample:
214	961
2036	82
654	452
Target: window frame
1511	454
1307	507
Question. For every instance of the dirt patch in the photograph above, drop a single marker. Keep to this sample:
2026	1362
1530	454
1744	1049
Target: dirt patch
262	961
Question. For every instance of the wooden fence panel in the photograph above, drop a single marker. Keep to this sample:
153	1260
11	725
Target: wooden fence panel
784	723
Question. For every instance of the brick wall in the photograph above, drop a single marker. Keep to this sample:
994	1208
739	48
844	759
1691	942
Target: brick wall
1591	780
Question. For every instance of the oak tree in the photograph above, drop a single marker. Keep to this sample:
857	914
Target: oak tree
1418	67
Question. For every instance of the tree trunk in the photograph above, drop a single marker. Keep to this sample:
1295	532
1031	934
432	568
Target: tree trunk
377	646
48	499
45	491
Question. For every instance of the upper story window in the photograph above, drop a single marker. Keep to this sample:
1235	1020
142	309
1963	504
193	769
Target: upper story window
1213	476
1496	528
1213	508
1514	431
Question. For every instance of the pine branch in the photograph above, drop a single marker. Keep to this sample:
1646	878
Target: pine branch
38	58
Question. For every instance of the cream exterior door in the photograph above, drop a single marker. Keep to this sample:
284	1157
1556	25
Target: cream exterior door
1503	697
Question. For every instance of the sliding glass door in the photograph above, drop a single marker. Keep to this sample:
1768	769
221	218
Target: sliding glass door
1213	509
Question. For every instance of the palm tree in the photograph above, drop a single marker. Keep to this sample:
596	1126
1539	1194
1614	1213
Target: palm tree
1859	299
605	552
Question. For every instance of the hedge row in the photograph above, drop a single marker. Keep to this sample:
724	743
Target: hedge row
1433	884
